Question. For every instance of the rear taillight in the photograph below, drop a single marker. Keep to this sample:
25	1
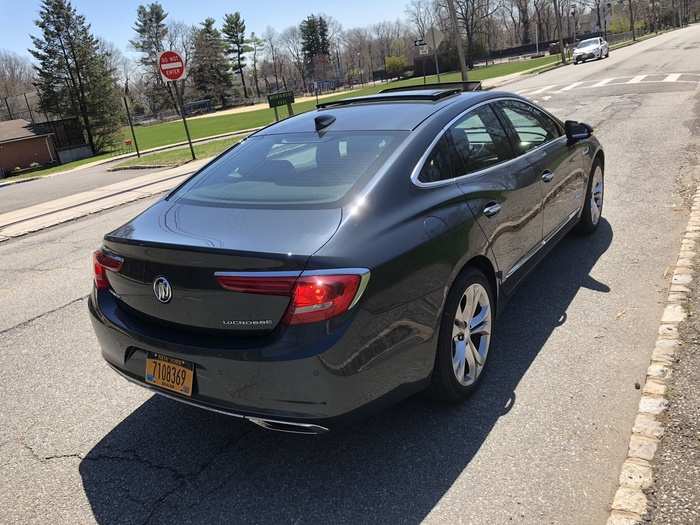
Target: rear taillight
320	297
101	262
259	285
313	298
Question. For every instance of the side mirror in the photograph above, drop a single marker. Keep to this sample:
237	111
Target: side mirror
577	130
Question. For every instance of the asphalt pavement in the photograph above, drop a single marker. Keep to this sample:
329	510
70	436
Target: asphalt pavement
35	191
542	440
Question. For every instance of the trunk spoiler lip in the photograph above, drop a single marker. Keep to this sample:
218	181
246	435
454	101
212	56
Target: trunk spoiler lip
364	274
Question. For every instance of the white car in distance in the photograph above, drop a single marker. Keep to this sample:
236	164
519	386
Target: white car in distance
591	48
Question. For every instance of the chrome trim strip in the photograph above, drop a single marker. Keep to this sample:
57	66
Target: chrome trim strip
423	159
539	246
296	428
268	424
259	274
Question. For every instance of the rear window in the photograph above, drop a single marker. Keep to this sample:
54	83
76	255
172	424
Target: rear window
292	169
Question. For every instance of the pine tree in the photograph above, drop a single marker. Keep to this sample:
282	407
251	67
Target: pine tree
315	44
151	34
234	36
210	69
73	76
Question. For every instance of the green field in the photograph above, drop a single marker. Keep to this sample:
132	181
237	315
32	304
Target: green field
174	132
179	156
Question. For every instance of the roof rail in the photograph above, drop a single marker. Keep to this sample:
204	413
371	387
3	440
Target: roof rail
417	93
459	86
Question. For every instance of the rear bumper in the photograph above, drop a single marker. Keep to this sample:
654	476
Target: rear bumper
315	378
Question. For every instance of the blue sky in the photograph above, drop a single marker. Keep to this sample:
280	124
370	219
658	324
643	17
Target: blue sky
113	19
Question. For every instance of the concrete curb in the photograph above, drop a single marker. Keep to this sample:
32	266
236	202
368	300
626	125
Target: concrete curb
630	502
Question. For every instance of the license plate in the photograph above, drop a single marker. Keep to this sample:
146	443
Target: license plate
171	374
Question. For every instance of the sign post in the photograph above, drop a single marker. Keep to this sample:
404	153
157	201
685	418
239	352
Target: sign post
281	98
172	69
131	125
422	46
435	38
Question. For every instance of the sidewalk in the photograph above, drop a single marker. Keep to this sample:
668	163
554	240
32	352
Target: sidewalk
33	218
674	496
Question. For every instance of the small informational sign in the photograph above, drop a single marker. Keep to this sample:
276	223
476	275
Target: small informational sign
423	50
281	98
171	66
434	37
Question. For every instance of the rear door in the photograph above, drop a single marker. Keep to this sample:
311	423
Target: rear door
502	190
558	165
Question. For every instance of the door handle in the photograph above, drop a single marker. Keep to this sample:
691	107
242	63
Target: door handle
547	176
491	209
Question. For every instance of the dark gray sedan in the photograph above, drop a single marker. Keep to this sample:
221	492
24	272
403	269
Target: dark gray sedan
345	258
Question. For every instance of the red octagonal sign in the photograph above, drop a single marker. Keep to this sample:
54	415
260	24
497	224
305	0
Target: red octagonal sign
171	65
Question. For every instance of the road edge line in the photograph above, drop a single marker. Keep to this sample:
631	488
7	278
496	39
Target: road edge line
629	504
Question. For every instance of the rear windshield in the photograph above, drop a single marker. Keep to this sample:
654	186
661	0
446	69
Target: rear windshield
292	169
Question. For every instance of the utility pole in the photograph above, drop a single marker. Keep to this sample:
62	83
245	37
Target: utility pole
437	66
458	40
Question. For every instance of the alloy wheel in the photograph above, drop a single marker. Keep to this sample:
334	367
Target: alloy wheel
597	191
471	334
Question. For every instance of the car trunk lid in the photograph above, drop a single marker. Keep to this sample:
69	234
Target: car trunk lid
179	248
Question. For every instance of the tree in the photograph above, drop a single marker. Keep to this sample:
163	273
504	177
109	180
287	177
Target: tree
151	35
257	45
395	65
315	44
16	74
234	36
72	75
210	70
557	4
291	38
271	39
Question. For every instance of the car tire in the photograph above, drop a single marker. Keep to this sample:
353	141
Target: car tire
476	331
593	205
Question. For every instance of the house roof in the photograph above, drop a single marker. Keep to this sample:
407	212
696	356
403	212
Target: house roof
19	129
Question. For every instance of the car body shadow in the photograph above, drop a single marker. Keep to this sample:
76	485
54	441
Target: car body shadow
168	462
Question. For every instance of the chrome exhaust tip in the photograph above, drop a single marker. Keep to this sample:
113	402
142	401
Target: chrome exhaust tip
286	426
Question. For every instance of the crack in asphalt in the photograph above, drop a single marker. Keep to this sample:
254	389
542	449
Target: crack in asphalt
44	314
231	444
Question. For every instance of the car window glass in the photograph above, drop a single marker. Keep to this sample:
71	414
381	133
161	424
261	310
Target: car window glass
291	168
532	127
480	141
438	166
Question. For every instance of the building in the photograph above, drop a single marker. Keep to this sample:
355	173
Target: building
22	145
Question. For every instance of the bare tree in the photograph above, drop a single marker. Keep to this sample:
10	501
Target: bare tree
16	74
271	47
291	39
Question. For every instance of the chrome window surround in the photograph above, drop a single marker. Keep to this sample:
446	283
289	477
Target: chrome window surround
424	158
364	274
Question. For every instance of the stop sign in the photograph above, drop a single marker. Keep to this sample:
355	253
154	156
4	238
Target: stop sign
171	65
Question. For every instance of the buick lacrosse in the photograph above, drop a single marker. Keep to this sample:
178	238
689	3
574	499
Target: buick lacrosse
345	258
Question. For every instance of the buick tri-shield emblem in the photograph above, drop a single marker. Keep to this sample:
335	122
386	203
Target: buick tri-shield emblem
162	289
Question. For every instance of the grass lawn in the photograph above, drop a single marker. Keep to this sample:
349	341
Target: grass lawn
173	132
179	156
42	172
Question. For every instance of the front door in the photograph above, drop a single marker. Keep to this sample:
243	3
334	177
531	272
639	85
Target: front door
502	190
557	164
